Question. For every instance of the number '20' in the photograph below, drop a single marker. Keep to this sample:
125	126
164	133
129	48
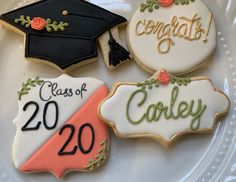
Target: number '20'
62	151
26	127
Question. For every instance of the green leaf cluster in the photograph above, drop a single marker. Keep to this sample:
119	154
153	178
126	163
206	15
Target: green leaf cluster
26	87
149	5
24	21
55	26
99	158
183	2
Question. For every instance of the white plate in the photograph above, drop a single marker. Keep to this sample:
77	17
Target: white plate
192	158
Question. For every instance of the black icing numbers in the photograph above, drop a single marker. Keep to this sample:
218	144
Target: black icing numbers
80	145
52	105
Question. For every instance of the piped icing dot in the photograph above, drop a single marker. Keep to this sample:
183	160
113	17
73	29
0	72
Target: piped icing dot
65	12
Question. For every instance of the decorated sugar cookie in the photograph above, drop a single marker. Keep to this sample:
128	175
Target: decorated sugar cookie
58	128
63	33
163	107
177	35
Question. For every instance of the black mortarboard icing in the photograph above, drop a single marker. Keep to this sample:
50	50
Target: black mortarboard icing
64	32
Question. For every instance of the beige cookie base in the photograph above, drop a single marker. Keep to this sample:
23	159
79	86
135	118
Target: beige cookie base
103	40
151	71
158	138
75	170
67	70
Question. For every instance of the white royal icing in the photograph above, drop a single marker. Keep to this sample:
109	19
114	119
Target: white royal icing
184	55
28	142
216	102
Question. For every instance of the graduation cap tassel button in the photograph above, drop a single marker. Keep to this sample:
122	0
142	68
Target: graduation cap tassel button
39	23
65	12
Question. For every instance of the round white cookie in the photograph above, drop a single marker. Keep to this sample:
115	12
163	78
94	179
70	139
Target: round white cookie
178	37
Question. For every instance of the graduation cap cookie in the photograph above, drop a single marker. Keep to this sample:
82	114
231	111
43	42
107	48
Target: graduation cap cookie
64	32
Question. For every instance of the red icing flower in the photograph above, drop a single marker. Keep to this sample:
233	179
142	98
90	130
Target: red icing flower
38	23
165	3
163	77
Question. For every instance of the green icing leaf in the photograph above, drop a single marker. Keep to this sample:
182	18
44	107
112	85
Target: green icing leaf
150	84
54	25
25	21
27	86
180	81
149	5
102	154
183	2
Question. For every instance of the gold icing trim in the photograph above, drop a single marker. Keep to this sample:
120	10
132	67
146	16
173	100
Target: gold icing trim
208	27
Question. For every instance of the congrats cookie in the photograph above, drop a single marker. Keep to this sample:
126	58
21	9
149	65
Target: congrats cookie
177	35
64	33
58	128
164	107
